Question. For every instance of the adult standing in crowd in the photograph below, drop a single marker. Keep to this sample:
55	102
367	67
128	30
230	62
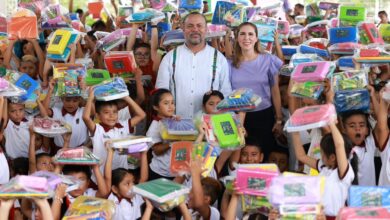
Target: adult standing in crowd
253	68
191	70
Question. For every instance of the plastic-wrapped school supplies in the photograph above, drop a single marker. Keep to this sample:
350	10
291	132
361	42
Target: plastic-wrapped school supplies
179	130
76	156
371	54
351	15
311	90
28	84
164	194
255	204
344	48
343	35
191	4
25	186
369	34
362	196
131	144
283	29
235	16
120	63
12	91
96	76
328	5
349	80
311	117
317	29
295	31
384	30
54	180
208	154
4	84
313	71
88	207
252	181
33	5
366	213
50	127
145	15
304	58
180	157
221	8
23	25
174	37
60	40
215	30
288	51
266	28
296	190
239	100
348	100
224	131
95	8
54	16
112	89
345	63
68	78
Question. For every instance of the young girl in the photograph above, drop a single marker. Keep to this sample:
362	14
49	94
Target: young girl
164	107
334	165
121	181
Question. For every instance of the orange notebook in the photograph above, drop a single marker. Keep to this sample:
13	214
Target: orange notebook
95	8
23	27
181	157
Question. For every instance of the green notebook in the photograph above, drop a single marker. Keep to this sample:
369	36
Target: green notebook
96	76
160	190
225	130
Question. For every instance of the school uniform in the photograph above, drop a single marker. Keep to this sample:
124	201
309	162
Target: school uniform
336	188
17	139
126	209
89	192
160	164
366	167
102	134
315	140
214	214
384	176
4	172
75	120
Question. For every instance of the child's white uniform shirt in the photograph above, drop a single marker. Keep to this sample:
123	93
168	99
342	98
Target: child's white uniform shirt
4	172
124	210
121	130
17	139
89	192
336	188
214	214
366	168
384	176
160	164
315	140
79	129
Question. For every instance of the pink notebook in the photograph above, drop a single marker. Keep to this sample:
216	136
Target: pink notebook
313	114
364	213
313	71
254	181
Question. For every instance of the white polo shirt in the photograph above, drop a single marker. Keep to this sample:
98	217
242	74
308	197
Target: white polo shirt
366	168
4	171
79	129
193	77
17	139
99	139
384	176
160	164
336	188
214	214
124	210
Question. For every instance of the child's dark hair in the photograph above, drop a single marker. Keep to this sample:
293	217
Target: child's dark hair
209	94
328	148
281	150
118	175
100	104
20	166
156	98
346	115
251	141
141	45
40	155
69	169
211	187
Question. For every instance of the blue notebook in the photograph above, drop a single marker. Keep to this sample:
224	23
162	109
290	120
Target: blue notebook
343	35
221	8
27	83
65	56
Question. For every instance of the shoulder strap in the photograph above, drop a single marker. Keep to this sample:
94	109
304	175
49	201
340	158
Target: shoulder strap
214	68
173	74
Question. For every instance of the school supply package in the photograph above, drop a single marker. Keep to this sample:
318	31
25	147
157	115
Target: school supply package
179	130
254	181
312	71
49	127
164	194
88	207
55	179
131	144
112	89
311	117
60	40
23	25
68	78
121	63
369	196
349	100
207	153
180	157
366	213
76	156
239	100
25	186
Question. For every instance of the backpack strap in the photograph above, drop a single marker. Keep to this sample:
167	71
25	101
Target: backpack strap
173	74
214	68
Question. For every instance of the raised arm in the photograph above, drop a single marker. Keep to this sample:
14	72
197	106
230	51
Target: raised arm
87	113
108	167
198	199
46	101
131	38
300	152
40	55
156	58
381	129
138	113
8	54
341	156
144	167
139	86
32	164
103	191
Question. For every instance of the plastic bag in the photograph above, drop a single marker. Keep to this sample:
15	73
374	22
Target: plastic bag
23	25
310	117
55	16
296	190
367	213
320	43
174	37
191	4
311	90
384	30
131	144
13	91
164	194
68	78
111	41
369	34
221	8
88	207
54	180
304	49
224	131
362	196
299	58
28	84
112	89
344	48
235	16
255	204
317	29
295	30
252	181
179	127
49	127
58	48
180	157
350	80
76	156
313	71
349	100
120	63
239	100
345	63
208	154
351	15
25	186
96	76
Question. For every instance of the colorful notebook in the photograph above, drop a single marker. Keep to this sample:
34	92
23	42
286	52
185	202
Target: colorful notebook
95	8
50	127
112	89
254	181
96	76
28	84
351	15
313	71
68	78
88	207
23	25
343	35
225	130
76	156
181	157
120	63
59	41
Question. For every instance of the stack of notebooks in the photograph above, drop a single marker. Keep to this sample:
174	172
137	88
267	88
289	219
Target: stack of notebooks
111	90
76	156
88	207
239	100
23	25
183	129
58	48
50	127
25	186
131	144
68	79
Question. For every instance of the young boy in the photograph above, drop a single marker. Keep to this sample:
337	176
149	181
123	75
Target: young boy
4	171
109	127
71	113
279	156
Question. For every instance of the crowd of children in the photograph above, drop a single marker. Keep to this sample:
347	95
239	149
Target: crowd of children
348	150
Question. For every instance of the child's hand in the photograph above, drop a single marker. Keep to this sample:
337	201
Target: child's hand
91	93
44	84
276	36
67	136
203	128
273	214
196	167
176	117
138	74
60	191
7	203
31	130
52	84
148	204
